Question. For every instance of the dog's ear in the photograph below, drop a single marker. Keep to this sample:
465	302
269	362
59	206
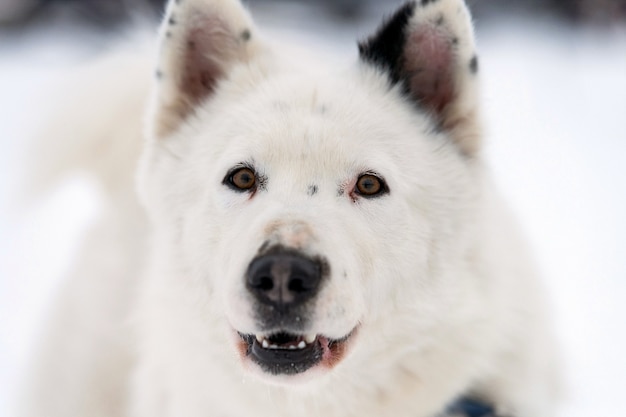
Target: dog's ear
428	48
200	42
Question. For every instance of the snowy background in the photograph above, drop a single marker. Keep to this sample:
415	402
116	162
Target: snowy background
555	109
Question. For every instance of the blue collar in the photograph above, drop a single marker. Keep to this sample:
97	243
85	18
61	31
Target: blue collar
466	407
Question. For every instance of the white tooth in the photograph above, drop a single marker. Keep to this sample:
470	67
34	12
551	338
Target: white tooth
273	346
259	338
301	345
265	344
292	347
310	338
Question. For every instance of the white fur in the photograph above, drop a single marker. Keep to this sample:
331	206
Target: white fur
433	275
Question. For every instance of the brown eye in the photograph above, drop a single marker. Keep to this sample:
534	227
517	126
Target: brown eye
369	185
242	179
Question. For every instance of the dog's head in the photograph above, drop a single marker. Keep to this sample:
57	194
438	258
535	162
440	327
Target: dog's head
316	209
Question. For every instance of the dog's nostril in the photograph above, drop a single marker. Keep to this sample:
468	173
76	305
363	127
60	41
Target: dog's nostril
265	284
296	285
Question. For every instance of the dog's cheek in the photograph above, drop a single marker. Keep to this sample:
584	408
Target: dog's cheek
341	305
358	274
395	262
233	243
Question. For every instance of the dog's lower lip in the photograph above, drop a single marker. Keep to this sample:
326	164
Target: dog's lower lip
289	354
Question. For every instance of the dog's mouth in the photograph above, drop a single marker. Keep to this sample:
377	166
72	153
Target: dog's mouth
284	353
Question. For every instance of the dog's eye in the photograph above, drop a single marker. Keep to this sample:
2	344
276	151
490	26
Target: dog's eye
369	185
241	179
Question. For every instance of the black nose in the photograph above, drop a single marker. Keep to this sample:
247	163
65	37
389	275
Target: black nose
283	280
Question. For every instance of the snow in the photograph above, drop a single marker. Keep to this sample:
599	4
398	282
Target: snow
555	107
556	103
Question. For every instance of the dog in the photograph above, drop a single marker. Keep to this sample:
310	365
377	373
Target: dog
307	238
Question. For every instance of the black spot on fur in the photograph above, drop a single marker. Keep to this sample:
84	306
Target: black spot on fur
323	109
158	74
172	20
473	64
385	49
168	35
439	21
455	41
427	2
313	189
246	35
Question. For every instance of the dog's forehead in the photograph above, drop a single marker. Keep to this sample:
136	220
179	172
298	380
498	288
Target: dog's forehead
303	142
315	129
330	117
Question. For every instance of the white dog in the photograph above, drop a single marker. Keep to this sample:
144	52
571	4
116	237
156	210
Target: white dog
320	240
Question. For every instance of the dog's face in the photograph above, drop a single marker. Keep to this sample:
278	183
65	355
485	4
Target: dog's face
319	214
316	211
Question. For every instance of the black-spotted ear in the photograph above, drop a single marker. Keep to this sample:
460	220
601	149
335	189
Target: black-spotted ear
427	46
200	42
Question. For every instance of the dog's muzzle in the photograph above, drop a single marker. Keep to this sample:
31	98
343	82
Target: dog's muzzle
283	284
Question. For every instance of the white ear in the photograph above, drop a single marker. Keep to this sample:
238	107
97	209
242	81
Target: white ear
427	46
200	42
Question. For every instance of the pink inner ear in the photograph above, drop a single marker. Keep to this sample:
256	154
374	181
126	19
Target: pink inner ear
428	61
208	45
